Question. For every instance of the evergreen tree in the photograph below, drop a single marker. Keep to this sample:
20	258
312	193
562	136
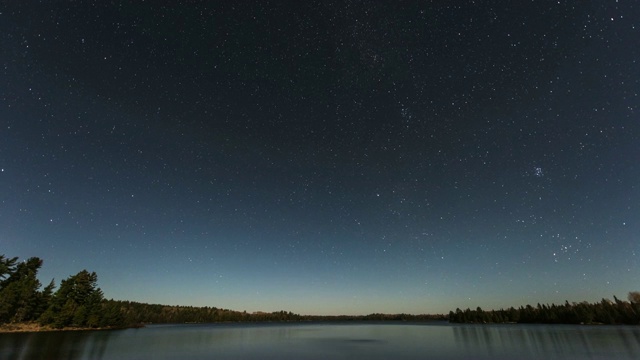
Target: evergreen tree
78	302
19	295
45	297
111	315
7	267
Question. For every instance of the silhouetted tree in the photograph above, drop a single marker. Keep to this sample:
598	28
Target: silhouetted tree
7	267
19	296
78	302
603	312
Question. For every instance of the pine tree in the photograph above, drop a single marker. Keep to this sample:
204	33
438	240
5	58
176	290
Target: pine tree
7	267
45	298
78	302
19	295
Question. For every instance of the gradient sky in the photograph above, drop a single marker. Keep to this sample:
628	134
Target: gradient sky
325	157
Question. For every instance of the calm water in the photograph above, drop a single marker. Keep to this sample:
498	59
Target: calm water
331	341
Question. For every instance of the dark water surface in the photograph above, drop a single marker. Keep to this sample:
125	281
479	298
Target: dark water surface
330	341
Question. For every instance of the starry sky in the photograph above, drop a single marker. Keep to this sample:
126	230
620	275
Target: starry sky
325	157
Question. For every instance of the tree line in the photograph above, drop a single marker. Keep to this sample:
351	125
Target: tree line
141	313
78	302
603	312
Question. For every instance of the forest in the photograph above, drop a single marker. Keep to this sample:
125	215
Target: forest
78	302
603	312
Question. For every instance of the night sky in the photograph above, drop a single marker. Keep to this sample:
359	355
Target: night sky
325	157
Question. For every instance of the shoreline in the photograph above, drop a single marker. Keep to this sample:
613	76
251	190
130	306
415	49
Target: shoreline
35	327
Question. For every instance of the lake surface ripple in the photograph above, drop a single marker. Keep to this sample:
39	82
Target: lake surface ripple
330	341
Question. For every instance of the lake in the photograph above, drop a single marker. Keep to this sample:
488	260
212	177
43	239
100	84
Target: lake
438	340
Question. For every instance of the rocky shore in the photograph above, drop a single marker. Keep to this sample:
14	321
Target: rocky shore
35	327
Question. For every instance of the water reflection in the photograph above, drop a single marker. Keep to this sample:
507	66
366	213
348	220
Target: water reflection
54	345
544	341
334	341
